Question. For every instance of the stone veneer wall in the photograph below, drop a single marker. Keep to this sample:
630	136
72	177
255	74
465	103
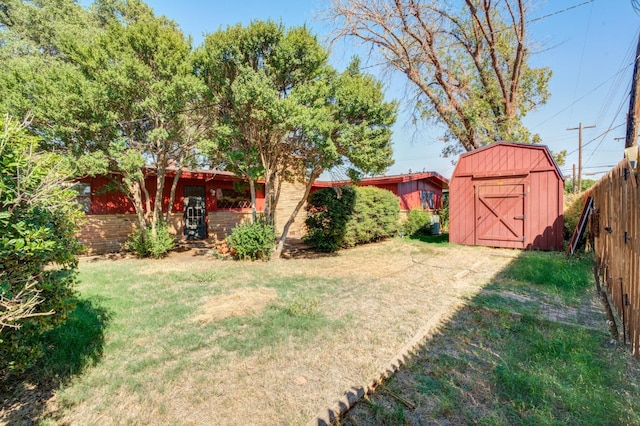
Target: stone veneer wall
221	222
107	233
290	194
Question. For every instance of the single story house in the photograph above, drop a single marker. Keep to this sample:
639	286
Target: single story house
209	203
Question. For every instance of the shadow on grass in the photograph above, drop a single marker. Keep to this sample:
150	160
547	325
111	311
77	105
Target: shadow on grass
432	239
502	359
68	349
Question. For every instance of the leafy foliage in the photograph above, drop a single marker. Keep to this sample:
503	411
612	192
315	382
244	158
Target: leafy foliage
143	243
253	241
285	115
38	222
328	213
418	222
573	205
112	85
585	184
443	214
347	216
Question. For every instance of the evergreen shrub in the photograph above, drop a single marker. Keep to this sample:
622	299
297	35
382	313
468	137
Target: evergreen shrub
254	241
347	216
418	222
144	244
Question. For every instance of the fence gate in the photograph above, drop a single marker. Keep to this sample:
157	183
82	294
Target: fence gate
195	212
500	215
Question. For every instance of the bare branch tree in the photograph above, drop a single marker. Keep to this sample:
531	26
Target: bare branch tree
466	59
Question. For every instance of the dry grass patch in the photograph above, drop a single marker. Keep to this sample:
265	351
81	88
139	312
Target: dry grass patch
259	343
240	302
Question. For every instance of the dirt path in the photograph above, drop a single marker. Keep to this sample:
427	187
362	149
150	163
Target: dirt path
397	295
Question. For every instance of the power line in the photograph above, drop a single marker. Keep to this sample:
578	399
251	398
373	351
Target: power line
561	11
602	166
617	84
600	135
585	95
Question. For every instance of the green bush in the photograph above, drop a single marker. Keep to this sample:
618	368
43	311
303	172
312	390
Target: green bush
328	212
144	244
347	216
418	222
252	241
39	219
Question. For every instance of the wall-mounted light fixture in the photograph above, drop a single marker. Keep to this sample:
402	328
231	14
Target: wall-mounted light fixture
631	153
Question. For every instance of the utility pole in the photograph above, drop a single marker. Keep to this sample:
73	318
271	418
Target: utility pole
579	129
634	105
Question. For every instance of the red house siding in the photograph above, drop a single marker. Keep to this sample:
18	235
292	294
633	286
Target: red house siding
507	195
107	200
407	188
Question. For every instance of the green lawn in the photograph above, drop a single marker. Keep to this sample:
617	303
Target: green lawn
197	340
527	350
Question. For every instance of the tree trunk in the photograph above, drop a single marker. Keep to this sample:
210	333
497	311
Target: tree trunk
136	198
172	196
156	214
269	190
144	198
294	213
252	192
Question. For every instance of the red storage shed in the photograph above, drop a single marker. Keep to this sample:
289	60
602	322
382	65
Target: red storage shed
507	195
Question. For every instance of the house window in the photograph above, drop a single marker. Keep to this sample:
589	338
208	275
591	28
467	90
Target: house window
427	200
83	196
236	198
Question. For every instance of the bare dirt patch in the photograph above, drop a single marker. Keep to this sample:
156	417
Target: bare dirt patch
240	302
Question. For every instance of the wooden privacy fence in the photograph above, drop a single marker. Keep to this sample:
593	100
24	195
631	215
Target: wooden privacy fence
615	228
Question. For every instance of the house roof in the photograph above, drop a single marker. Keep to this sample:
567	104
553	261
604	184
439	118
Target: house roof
521	145
210	174
205	174
391	179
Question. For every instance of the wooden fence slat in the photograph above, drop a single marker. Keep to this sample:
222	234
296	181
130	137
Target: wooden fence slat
617	245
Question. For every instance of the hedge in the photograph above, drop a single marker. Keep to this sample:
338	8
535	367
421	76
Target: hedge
346	216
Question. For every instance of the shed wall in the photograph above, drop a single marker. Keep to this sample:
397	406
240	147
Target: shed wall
504	165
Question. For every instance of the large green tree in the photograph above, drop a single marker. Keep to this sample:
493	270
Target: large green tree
284	114
116	89
466	59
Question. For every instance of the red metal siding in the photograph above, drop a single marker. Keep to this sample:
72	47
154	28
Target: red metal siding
484	207
409	194
104	201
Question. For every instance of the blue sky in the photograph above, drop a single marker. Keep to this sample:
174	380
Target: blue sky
588	45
